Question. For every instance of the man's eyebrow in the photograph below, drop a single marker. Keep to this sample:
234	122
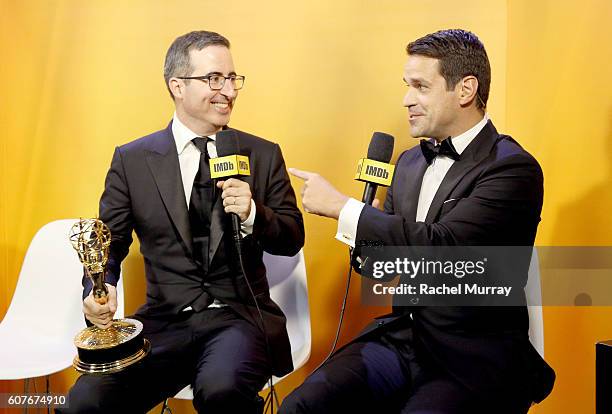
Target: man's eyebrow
232	73
416	80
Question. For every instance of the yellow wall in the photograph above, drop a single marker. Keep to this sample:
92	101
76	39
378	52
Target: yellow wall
559	105
80	77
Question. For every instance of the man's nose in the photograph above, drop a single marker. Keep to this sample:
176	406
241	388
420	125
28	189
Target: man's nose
228	89
409	100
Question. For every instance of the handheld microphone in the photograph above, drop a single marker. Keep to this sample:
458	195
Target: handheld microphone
229	163
375	170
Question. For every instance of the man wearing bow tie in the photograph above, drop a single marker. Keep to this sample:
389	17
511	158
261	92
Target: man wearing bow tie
465	185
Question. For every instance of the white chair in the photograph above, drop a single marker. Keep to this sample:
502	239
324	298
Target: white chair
36	334
287	280
533	293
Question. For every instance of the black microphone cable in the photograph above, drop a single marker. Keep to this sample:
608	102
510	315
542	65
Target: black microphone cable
341	316
227	144
378	172
272	394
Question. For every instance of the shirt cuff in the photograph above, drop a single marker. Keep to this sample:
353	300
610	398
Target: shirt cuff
246	227
348	220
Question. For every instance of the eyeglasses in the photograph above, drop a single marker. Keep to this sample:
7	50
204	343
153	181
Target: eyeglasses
216	81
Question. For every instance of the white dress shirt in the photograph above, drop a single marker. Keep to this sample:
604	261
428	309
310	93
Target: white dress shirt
434	174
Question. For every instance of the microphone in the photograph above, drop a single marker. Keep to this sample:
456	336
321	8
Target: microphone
229	163
375	170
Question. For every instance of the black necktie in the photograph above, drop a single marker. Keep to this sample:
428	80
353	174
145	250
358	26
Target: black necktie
200	205
431	151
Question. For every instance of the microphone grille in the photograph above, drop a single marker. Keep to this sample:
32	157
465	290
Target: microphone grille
227	143
381	147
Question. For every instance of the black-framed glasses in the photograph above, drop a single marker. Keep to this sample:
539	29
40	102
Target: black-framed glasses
216	81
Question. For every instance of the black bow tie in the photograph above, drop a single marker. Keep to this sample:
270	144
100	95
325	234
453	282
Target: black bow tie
431	151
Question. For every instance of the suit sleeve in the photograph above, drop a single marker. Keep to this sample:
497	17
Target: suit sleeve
115	212
388	206
278	227
506	197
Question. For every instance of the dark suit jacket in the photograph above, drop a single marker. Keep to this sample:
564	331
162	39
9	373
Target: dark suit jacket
144	193
497	192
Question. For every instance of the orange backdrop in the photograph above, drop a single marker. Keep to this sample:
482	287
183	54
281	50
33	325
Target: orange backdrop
80	77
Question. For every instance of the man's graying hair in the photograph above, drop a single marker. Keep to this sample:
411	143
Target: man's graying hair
177	58
460	53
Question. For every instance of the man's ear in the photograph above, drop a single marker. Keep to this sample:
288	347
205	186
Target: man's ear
176	87
468	88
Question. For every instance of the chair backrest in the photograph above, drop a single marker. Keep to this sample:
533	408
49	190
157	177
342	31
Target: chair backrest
287	279
49	285
533	293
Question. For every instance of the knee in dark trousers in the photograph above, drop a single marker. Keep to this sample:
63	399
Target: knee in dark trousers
294	403
297	403
225	394
92	394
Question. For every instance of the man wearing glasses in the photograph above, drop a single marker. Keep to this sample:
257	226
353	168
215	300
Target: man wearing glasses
199	315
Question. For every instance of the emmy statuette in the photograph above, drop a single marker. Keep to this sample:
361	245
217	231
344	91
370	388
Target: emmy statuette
103	351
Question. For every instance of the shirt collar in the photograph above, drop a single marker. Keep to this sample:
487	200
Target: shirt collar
461	141
183	135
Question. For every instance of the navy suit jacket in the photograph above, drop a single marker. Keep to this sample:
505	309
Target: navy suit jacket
144	193
495	192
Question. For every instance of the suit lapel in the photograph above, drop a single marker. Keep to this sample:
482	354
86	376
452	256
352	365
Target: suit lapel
475	152
411	185
217	219
162	160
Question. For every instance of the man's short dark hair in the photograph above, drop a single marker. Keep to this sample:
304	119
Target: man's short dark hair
178	62
460	53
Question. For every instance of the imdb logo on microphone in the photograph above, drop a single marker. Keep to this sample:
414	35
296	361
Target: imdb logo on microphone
374	172
228	166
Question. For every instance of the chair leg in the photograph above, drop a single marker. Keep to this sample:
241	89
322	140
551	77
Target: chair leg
26	390
47	392
276	400
166	408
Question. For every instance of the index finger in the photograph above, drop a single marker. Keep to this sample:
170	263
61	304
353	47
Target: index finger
304	175
232	182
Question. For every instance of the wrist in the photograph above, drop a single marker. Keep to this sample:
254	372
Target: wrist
342	200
